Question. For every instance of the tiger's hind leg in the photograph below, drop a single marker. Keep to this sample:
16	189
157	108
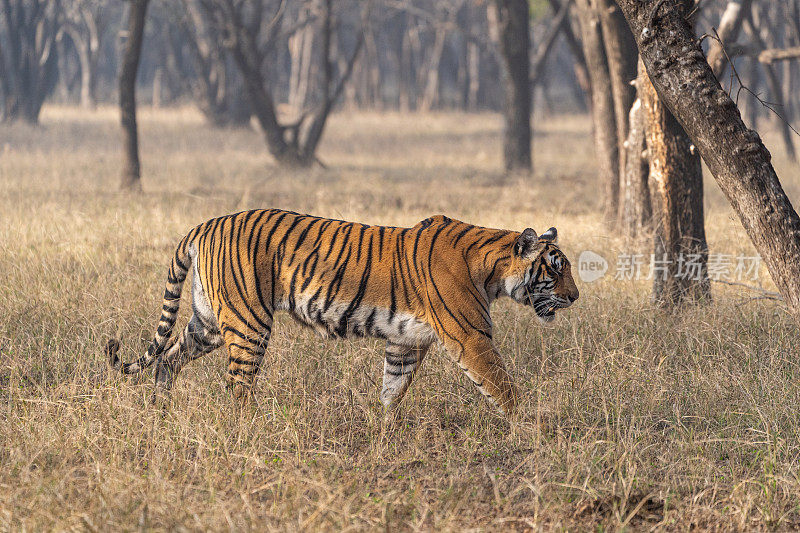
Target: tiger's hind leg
400	364
195	341
245	353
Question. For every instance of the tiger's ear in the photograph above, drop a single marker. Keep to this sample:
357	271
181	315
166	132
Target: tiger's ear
526	244
550	235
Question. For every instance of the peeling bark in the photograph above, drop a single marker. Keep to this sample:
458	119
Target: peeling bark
676	191
635	210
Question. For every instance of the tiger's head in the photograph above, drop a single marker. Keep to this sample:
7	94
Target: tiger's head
539	274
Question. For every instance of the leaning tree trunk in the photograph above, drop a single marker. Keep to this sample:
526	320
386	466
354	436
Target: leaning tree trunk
131	176
734	154
680	252
514	33
603	118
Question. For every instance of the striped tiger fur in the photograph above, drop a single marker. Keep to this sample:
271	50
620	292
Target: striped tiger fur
409	286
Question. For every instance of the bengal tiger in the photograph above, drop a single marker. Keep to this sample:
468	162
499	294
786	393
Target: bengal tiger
408	286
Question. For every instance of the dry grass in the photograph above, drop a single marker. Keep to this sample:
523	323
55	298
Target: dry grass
631	417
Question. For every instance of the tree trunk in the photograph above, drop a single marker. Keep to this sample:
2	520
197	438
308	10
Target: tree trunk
603	116
88	83
473	75
300	49
635	210
430	93
734	154
131	177
217	86
622	57
87	46
155	101
680	252
514	34
88	66
371	62
406	72
750	108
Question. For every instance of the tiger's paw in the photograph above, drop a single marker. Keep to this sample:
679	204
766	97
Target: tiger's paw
242	392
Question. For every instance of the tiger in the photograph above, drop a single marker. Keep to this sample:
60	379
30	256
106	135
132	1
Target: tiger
433	282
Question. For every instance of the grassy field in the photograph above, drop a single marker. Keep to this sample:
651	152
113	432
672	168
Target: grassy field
631	417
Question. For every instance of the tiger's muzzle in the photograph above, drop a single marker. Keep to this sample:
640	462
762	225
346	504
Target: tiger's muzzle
545	308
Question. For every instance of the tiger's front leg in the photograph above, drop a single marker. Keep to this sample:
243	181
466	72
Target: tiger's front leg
479	359
400	364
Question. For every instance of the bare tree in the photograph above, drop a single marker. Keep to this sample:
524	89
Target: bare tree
217	86
771	55
28	63
734	154
131	174
430	89
86	23
603	113
559	23
252	29
514	34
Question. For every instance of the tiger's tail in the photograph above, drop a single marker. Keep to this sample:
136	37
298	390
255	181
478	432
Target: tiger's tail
169	314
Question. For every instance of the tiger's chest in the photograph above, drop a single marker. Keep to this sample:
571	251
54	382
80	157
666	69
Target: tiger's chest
344	319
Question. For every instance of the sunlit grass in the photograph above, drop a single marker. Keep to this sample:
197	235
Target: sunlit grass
630	415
